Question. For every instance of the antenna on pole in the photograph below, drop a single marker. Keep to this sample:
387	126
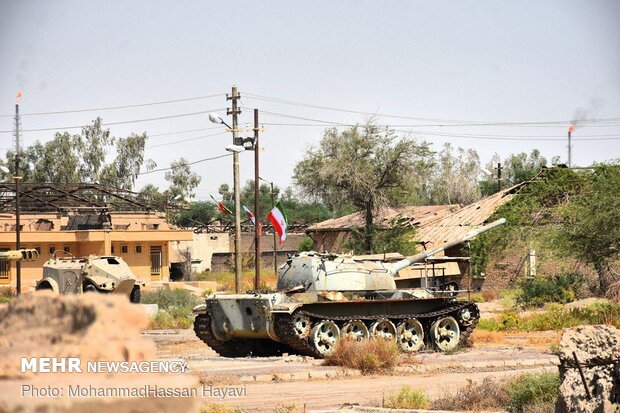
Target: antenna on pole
18	266
571	129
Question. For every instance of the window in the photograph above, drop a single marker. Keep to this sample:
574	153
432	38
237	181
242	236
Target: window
138	249
112	248
38	250
52	249
156	258
124	249
5	268
67	249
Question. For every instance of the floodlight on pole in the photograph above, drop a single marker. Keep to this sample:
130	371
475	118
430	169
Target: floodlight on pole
4	169
215	118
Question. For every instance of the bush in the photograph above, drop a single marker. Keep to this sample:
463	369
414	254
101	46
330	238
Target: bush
175	308
368	356
563	288
305	244
533	391
556	317
407	398
167	299
6	293
488	395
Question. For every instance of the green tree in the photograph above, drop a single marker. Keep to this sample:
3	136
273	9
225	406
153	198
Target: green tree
364	166
196	214
76	158
182	180
456	176
521	167
591	229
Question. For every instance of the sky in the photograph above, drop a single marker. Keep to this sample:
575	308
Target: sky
454	71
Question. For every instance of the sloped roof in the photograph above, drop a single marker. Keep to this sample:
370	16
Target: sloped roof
455	225
411	215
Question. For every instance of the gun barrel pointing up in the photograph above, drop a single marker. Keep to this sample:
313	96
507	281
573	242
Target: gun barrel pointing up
406	262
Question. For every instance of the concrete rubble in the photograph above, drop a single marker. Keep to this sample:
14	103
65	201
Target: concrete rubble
91	327
597	349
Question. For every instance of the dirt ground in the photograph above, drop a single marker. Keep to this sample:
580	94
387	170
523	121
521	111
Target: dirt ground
294	381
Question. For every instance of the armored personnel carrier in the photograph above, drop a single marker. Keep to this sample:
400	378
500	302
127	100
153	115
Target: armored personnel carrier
102	274
322	297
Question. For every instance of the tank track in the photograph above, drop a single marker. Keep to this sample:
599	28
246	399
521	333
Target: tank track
284	324
236	347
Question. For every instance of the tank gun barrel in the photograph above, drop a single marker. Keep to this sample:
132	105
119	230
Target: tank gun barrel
19	255
406	262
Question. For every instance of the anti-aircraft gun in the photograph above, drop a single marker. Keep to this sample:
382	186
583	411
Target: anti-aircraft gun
101	274
322	297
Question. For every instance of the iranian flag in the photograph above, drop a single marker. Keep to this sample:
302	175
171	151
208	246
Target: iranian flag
222	207
277	217
250	214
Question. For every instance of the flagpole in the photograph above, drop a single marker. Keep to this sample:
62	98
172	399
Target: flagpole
257	253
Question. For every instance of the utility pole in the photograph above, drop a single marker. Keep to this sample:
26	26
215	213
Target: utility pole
235	111
257	215
499	176
275	241
571	129
18	265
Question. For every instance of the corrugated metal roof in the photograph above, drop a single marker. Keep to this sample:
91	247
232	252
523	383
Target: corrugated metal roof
411	215
455	225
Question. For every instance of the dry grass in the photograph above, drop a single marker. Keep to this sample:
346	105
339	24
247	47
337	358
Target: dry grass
221	380
369	356
482	338
218	408
226	280
487	395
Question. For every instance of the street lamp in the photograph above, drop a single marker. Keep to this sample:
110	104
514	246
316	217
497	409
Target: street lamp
235	148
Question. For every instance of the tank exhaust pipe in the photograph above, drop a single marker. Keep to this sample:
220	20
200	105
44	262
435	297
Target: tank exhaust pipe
406	262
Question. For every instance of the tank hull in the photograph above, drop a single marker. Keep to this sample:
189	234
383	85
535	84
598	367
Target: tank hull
251	324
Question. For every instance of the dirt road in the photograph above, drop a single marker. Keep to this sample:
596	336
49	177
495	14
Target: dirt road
295	381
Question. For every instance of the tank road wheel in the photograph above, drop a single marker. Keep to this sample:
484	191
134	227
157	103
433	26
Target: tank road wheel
466	317
356	329
445	333
410	335
324	336
383	328
301	325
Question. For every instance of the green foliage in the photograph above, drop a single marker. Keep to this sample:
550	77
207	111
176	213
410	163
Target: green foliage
6	294
532	390
407	398
395	238
532	215
563	288
182	180
196	214
82	157
363	166
305	244
175	307
591	229
455	177
555	317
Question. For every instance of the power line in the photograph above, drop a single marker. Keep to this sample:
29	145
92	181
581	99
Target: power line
581	137
181	115
185	140
463	122
189	163
137	105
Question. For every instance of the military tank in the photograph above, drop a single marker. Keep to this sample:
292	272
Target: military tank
322	297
